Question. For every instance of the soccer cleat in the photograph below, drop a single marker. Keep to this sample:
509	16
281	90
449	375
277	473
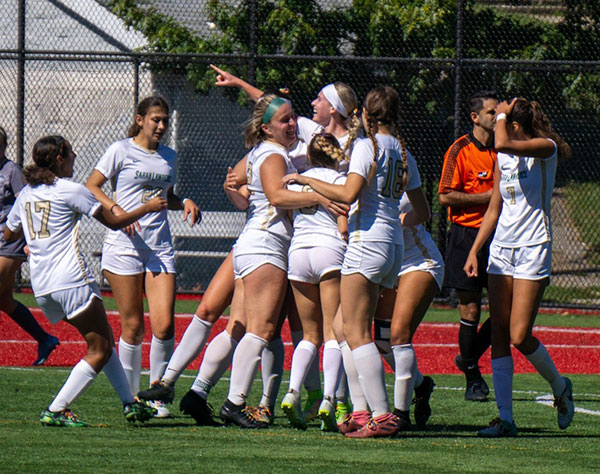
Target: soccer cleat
381	426
138	411
239	415
262	413
421	401
326	414
45	349
61	418
499	429
463	367
293	411
354	421
565	406
161	409
476	391
159	390
403	417
198	408
311	406
342	410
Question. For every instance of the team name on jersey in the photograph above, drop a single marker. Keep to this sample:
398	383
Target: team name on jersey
149	175
514	176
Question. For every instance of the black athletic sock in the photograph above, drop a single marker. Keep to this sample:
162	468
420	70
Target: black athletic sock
484	338
467	342
23	317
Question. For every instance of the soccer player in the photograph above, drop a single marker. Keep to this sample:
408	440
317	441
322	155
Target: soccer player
142	259
12	255
465	188
315	260
521	253
400	312
380	171
47	213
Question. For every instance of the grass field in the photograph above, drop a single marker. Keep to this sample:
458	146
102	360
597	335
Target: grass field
448	444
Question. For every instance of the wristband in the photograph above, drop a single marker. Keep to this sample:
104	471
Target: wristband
183	201
112	207
501	116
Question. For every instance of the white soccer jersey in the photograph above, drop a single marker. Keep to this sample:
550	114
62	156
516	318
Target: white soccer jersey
261	214
374	215
298	154
49	216
139	175
526	186
316	226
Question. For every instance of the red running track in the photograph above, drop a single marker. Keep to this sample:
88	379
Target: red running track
574	350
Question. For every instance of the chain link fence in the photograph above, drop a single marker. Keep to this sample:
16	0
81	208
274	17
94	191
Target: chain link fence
79	67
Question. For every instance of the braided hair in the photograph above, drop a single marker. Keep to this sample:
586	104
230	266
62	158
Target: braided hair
324	151
382	106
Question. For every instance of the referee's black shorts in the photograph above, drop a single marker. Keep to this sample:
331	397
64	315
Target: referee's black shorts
460	241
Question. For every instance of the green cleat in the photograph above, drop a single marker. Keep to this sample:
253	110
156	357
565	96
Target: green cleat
311	406
499	429
290	405
138	411
327	415
61	418
342	411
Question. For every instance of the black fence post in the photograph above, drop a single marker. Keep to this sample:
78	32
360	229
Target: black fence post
252	43
21	84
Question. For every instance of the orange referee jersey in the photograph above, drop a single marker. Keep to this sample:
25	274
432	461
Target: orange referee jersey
468	168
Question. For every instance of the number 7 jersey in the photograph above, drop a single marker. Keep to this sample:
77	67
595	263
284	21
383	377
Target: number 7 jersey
49	216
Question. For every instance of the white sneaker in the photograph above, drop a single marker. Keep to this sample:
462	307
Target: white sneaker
326	414
290	405
161	409
565	406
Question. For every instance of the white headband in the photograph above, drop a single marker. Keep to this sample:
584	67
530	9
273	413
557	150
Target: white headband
330	93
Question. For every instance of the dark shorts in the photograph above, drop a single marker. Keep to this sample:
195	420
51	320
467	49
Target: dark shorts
12	249
460	241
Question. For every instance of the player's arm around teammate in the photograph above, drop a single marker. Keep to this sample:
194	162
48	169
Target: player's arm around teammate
142	258
47	213
520	254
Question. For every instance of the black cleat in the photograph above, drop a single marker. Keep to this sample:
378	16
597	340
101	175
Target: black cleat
159	390
421	401
197	407
404	423
476	391
45	349
239	415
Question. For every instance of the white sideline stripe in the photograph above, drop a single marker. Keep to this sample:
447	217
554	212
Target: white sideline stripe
535	328
548	400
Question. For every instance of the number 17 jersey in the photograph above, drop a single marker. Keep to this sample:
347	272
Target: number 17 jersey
49	216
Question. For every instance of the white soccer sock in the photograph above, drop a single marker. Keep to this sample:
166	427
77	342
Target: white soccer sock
117	378
244	366
187	350
502	376
216	361
272	372
80	378
359	400
543	363
160	353
304	354
130	356
332	367
404	356
369	366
